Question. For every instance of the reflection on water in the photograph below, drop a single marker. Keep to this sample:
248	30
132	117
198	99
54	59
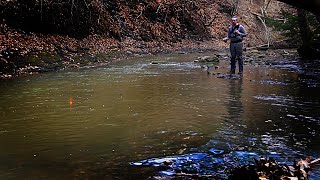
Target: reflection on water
137	110
234	105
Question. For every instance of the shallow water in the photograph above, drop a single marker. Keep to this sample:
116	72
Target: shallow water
137	109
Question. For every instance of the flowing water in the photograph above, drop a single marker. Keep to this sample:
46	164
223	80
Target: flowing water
90	124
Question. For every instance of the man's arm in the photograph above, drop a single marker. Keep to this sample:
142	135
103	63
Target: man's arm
242	32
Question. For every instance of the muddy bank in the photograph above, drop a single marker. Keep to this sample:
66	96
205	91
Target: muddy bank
28	54
42	62
24	54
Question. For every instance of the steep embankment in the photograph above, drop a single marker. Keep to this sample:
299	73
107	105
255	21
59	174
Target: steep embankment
46	35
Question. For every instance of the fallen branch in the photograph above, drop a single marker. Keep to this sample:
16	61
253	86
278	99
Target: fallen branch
256	14
209	24
259	46
265	45
316	161
261	17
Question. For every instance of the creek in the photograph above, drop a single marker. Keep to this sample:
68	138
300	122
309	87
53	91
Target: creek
91	123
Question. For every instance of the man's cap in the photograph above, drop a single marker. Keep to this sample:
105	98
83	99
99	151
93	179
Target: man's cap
234	18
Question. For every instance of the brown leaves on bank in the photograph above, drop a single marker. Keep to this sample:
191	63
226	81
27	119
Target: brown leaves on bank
66	28
139	19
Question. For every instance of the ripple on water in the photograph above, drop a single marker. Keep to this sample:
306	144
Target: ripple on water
285	101
274	98
304	118
270	82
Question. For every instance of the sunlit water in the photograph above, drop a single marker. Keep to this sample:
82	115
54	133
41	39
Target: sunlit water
92	123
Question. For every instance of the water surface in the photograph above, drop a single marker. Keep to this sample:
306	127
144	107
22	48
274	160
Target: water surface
137	109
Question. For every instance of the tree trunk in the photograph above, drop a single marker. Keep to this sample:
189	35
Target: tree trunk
305	32
318	18
309	48
310	5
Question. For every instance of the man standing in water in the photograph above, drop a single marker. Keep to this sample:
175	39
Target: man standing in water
236	33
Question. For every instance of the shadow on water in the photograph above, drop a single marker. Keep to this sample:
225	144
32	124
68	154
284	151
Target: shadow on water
150	107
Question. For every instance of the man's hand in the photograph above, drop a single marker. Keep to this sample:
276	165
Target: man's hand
238	32
225	39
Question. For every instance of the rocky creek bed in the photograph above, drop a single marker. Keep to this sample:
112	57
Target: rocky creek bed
14	63
41	62
234	165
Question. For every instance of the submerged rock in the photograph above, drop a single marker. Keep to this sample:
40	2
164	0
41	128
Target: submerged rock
234	165
213	58
229	76
216	163
215	151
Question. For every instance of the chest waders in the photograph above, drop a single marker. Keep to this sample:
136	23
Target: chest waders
236	49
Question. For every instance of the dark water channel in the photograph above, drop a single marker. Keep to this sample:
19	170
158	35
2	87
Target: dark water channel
135	110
